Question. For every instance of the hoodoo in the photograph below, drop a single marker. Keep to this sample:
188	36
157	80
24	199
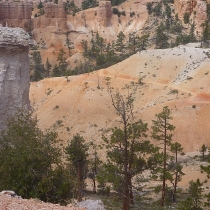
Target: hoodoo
14	71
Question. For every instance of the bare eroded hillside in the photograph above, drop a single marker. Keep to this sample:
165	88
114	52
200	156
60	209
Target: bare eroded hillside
178	78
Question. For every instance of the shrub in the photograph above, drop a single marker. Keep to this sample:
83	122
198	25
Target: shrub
30	161
149	7
132	14
123	13
186	17
115	11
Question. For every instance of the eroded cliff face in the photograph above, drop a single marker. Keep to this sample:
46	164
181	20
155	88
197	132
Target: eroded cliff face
14	71
16	14
196	8
54	16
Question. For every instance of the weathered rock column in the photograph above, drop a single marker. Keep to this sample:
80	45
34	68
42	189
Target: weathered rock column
14	72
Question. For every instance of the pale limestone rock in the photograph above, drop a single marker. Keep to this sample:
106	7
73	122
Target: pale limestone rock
14	71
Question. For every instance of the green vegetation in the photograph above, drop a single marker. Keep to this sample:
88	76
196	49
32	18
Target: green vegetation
194	201
60	69
117	2
186	17
38	68
30	161
128	151
162	132
77	154
35	164
86	4
71	8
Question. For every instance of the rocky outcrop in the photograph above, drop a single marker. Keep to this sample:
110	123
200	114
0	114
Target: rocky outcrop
201	14
196	9
14	71
52	10
54	15
104	12
15	14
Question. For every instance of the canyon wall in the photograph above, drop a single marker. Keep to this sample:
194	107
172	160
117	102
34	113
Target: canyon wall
14	71
196	8
15	14
54	15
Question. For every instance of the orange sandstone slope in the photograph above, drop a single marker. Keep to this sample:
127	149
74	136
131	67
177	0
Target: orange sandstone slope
178	78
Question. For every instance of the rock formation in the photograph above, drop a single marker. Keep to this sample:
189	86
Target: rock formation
52	10
196	8
14	71
55	15
201	14
15	14
104	12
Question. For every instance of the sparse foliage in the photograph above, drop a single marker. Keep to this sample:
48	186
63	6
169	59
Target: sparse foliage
127	147
162	132
76	152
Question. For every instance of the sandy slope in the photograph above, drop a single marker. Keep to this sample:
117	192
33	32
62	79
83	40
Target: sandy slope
82	108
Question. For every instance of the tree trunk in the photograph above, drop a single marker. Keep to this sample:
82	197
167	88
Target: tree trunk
130	190
79	183
126	200
164	169
94	186
175	186
176	180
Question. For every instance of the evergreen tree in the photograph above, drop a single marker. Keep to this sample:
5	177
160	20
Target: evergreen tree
62	63
127	149
85	47
149	7
186	17
69	44
206	32
194	201
48	67
203	149
119	45
161	37
94	165
162	129
86	4
76	152
176	148
30	161
38	67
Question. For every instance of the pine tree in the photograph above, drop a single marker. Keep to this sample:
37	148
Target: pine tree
76	152
62	62
38	67
127	147
162	129
48	67
194	201
30	161
119	45
176	148
69	44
